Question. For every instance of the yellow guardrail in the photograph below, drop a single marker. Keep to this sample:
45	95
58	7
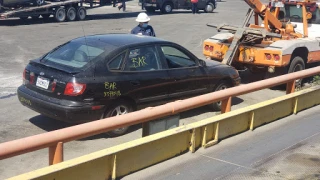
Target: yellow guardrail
135	155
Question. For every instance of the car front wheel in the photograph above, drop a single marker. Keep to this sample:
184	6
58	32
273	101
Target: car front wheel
220	86
119	108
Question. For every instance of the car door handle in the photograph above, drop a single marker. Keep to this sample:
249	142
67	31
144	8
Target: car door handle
135	83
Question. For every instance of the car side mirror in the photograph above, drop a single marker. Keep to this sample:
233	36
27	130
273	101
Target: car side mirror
202	63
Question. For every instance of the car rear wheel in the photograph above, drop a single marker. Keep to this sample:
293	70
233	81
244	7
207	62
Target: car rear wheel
220	86
119	108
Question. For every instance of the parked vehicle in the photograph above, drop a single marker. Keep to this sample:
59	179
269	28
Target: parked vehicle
70	10
11	3
166	6
100	76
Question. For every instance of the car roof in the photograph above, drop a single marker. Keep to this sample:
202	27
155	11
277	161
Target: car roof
120	40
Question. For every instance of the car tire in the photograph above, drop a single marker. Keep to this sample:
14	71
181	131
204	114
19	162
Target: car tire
150	9
119	108
220	86
209	8
297	64
167	8
38	2
81	13
60	14
71	14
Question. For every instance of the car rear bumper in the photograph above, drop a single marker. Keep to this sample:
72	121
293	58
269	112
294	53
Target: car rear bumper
71	114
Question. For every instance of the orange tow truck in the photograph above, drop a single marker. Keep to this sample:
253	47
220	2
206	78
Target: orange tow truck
288	39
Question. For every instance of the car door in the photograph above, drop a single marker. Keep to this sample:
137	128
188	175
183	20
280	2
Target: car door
145	76
187	77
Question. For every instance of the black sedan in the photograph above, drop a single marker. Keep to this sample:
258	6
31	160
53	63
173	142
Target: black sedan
99	76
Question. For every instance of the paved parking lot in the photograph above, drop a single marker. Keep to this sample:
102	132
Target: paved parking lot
22	41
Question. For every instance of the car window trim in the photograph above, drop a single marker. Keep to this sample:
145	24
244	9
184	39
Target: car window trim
125	51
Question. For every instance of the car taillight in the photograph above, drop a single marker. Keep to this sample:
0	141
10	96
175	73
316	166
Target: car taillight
31	78
206	48
24	76
74	89
276	57
268	56
53	85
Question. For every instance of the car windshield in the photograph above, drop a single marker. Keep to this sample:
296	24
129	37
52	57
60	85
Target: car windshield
77	53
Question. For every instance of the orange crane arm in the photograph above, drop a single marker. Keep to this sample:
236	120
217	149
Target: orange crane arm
264	12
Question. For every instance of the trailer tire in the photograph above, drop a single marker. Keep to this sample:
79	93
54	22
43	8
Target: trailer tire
71	14
81	13
60	14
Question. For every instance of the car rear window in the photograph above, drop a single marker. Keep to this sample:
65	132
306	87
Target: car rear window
76	54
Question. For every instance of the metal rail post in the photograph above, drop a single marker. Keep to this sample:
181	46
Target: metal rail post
226	105
291	87
56	153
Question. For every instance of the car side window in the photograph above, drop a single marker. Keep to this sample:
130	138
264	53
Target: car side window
176	58
142	59
115	64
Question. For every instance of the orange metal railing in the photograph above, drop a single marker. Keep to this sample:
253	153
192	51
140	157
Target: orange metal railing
54	140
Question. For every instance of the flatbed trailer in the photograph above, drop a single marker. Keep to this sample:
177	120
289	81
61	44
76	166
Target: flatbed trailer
69	10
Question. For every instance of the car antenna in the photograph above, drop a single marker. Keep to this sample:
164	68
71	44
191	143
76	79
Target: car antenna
85	39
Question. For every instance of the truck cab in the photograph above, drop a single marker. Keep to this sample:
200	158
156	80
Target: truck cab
166	6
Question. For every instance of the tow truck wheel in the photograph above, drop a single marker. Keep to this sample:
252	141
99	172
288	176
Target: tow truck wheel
209	8
119	108
297	64
71	14
81	13
60	14
220	86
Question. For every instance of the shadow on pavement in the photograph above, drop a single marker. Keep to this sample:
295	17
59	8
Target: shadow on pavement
49	124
